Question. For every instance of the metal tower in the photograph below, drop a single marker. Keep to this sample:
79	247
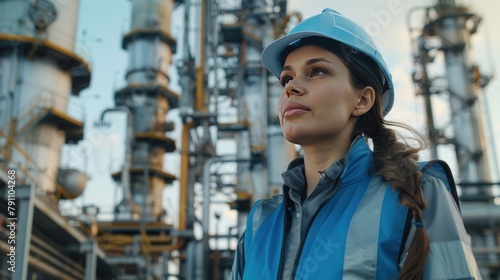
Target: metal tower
139	240
446	31
228	98
40	67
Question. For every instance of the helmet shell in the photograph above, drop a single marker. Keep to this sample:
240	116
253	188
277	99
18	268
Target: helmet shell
330	24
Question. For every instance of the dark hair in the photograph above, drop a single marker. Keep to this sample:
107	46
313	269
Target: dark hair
395	161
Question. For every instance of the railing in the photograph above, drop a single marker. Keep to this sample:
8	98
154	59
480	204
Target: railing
27	167
35	109
27	119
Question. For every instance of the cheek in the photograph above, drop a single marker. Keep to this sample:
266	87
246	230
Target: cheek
281	104
339	98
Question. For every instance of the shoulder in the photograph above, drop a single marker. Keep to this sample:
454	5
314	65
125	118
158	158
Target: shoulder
266	206
440	170
441	216
436	194
431	184
261	210
450	251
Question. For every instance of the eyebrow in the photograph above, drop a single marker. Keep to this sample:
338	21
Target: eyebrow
309	62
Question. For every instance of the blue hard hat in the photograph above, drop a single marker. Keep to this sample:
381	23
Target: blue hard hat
331	24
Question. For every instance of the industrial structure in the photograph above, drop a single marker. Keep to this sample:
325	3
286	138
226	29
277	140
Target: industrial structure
227	95
41	68
444	39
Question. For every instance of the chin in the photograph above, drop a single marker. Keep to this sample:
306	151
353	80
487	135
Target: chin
296	138
296	133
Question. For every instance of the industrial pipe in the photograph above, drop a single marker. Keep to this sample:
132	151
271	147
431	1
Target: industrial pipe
205	222
181	241
480	215
127	193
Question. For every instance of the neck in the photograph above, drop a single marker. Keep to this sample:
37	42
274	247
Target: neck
319	158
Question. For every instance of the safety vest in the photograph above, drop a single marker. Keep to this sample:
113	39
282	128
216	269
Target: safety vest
357	234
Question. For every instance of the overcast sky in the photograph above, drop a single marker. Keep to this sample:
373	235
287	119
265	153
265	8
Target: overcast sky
384	19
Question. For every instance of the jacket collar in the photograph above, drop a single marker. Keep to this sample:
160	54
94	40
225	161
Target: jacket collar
354	165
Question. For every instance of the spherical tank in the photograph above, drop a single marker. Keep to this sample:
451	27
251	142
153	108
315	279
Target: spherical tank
72	182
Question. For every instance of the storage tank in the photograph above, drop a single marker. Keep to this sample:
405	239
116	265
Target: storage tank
40	69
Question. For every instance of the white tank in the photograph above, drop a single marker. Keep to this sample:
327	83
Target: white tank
45	85
62	30
43	144
55	19
40	83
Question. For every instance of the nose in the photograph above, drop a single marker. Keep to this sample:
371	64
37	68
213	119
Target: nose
292	88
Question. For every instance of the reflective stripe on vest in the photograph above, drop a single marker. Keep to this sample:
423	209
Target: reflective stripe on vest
356	235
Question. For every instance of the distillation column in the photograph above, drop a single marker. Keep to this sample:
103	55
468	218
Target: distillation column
263	142
233	35
468	128
146	100
452	26
139	240
39	69
258	102
252	175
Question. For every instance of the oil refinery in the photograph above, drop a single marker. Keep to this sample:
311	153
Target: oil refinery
197	122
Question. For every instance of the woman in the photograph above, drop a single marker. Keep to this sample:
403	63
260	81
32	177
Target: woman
348	211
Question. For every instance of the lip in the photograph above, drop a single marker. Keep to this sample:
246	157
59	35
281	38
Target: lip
293	109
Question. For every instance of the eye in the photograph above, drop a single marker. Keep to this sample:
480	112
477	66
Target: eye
317	72
284	80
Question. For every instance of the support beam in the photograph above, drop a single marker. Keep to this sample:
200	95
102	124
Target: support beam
90	259
25	195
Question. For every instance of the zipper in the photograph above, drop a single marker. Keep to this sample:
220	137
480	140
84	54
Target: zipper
306	231
285	236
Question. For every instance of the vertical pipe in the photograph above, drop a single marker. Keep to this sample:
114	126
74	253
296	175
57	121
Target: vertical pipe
200	71
128	155
164	264
489	126
26	196
426	93
90	260
16	57
184	180
184	187
205	222
215	43
185	71
125	176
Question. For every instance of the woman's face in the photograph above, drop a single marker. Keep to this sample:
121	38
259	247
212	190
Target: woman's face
318	99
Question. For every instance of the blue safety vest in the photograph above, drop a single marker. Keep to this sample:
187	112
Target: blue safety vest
358	233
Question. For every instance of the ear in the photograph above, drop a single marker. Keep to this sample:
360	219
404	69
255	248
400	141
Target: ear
366	99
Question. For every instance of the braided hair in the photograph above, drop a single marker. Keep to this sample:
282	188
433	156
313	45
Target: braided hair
395	160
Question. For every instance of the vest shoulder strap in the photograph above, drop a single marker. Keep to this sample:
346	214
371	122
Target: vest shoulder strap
440	169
